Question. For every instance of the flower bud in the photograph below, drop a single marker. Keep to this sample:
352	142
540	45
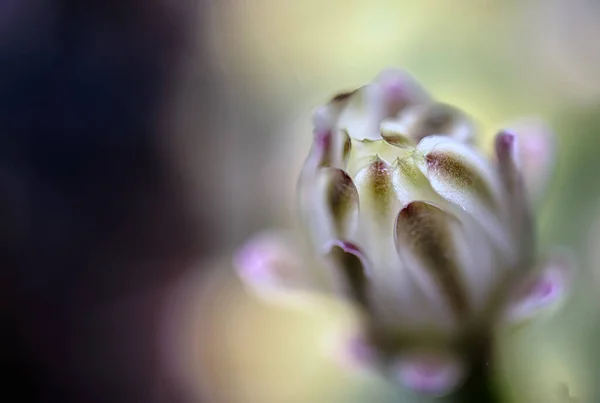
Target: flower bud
431	239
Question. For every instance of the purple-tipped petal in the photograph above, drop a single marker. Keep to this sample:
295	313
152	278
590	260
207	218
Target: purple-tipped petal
522	226
506	142
544	291
351	269
431	373
506	147
536	154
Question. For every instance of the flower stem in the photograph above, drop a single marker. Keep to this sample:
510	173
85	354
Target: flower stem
480	387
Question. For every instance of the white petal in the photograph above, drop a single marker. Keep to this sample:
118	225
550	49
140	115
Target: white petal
478	262
394	133
363	113
458	173
386	96
464	177
451	256
425	241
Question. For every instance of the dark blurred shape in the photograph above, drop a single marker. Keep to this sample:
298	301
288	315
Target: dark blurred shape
93	225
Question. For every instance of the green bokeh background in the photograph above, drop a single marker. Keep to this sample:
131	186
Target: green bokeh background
498	60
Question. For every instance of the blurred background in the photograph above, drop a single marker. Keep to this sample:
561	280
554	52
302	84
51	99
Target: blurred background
143	141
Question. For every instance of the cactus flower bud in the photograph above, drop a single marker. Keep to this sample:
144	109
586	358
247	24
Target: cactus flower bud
431	239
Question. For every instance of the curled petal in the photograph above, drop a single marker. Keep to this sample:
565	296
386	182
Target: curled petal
363	112
536	151
271	266
320	154
329	204
425	242
420	121
345	147
543	291
386	96
341	200
393	133
429	373
351	271
330	148
326	117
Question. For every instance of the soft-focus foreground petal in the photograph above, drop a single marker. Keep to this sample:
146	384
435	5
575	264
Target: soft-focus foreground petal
536	154
431	373
272	267
350	350
543	291
220	344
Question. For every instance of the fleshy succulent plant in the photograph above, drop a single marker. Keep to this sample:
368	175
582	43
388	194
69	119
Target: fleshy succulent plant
433	241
